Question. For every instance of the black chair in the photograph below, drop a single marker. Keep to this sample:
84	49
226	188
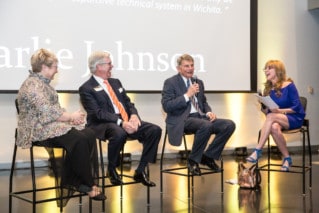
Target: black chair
127	179
299	169
183	170
24	195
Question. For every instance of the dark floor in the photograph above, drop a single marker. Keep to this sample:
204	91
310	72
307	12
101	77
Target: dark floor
284	194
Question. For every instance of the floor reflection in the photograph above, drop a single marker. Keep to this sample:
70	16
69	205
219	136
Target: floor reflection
283	194
249	199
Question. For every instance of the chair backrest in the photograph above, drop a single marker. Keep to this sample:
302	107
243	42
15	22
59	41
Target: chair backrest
303	101
17	105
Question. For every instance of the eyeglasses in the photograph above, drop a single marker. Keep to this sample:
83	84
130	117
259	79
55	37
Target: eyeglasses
269	68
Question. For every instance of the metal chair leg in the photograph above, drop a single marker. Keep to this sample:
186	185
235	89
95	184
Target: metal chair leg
11	177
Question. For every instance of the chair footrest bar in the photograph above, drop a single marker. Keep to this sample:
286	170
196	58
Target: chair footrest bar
204	171
292	170
30	200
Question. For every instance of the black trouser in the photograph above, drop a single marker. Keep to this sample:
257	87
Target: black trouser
80	165
148	134
203	129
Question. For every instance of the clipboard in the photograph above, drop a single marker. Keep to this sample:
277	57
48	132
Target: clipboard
267	101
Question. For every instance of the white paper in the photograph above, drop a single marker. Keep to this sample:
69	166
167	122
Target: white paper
266	100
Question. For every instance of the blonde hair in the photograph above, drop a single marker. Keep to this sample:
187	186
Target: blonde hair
42	57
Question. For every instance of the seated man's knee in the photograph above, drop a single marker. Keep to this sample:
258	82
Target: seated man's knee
228	126
156	130
231	125
206	126
121	137
118	136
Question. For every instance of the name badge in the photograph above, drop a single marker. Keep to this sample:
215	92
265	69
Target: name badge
98	88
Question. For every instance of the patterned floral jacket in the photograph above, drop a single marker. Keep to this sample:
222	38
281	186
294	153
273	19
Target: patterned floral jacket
39	109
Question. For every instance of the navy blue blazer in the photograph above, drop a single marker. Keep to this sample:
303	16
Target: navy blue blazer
177	109
99	106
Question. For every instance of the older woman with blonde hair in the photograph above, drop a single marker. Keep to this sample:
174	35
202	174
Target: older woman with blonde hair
289	115
42	121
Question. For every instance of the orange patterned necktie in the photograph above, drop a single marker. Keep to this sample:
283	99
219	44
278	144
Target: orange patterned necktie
116	101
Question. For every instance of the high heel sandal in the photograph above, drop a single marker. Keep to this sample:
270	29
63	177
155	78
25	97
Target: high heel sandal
96	194
251	159
284	167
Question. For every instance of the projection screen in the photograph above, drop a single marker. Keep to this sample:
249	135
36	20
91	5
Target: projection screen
144	37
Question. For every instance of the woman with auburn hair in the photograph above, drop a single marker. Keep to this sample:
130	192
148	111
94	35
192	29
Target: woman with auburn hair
289	115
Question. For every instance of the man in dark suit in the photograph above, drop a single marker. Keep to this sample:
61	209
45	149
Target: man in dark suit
113	117
185	103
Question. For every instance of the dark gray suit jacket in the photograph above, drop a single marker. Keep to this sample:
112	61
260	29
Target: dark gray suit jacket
177	109
99	106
